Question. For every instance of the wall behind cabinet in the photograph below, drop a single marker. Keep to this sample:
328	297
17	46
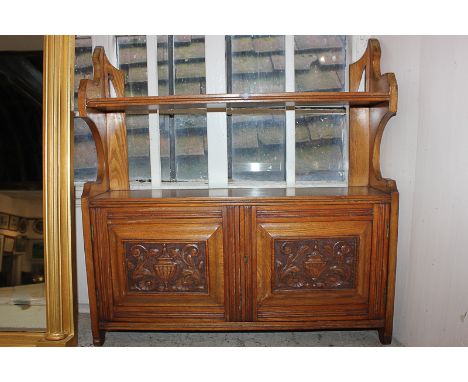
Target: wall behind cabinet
424	149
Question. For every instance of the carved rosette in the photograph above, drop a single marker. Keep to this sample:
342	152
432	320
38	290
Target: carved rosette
166	267
322	263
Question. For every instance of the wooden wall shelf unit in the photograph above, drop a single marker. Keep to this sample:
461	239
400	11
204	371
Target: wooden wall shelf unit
241	259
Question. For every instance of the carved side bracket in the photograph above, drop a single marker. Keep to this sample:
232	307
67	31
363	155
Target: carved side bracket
369	66
108	130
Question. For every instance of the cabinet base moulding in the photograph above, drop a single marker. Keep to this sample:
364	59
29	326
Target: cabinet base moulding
245	326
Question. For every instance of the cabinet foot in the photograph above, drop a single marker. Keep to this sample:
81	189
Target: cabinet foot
385	338
99	339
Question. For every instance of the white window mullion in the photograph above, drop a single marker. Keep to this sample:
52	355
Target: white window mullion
215	61
290	114
358	46
153	118
108	42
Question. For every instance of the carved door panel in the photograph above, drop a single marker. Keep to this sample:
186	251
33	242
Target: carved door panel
168	264
318	263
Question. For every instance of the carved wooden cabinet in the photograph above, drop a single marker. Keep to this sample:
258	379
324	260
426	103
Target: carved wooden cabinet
239	258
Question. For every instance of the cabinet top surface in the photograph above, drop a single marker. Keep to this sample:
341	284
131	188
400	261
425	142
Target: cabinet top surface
243	195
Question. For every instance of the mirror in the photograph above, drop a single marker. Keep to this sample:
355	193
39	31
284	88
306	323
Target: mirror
36	307
22	279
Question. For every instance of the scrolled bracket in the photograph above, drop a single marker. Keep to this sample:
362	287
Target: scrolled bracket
108	130
376	82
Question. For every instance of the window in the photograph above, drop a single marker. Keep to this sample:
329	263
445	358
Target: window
173	146
255	64
131	57
183	141
321	152
257	142
319	63
320	145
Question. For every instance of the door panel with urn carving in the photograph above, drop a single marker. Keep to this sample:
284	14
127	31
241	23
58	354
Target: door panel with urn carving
316	264
320	263
165	265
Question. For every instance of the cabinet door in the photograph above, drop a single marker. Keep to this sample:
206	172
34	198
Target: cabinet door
318	263
160	264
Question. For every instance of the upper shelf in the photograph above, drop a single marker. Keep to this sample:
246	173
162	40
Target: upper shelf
222	101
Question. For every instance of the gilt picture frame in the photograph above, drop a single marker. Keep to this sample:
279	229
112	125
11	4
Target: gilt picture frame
20	244
13	224
9	244
23	225
58	199
4	221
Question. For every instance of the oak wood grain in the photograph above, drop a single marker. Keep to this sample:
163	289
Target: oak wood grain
367	125
385	333
333	195
174	230
359	148
242	326
310	304
218	101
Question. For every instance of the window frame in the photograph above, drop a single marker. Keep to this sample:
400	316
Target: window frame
217	126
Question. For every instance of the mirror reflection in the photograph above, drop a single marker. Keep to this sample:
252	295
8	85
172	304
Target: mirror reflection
22	298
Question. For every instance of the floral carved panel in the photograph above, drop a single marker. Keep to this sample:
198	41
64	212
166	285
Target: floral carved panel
166	267
322	263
